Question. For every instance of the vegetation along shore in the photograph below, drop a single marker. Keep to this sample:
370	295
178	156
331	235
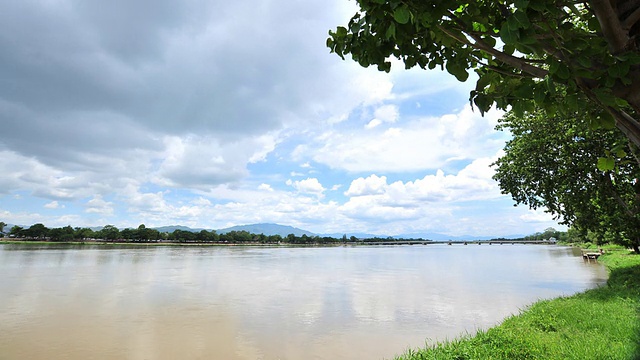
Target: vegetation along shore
601	323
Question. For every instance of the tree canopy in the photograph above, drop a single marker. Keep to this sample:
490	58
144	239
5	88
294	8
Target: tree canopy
556	55
550	162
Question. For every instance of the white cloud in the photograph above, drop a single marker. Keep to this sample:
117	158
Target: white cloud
97	205
307	186
423	143
202	162
537	216
373	123
432	196
265	187
53	205
372	185
387	113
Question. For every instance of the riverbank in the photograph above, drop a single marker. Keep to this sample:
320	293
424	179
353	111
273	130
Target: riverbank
602	323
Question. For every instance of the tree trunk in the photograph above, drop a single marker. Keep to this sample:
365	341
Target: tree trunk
620	24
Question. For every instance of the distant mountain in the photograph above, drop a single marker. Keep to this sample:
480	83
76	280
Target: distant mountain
267	229
358	235
172	228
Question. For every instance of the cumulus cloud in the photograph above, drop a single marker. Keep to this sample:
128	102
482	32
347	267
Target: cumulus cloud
97	205
373	123
536	216
387	113
53	205
433	195
372	185
420	144
265	187
195	161
307	186
170	85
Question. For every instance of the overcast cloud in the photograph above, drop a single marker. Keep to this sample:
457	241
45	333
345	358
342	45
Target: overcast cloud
218	113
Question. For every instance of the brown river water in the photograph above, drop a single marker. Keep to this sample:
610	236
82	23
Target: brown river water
267	303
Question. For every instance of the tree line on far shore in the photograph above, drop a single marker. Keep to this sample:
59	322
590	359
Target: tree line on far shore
111	233
142	233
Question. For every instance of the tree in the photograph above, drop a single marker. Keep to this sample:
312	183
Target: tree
109	232
554	54
207	236
36	231
61	234
83	233
2	225
550	162
17	231
128	234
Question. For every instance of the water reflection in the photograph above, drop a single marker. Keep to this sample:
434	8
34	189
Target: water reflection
267	303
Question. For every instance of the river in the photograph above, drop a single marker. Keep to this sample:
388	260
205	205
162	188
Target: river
160	302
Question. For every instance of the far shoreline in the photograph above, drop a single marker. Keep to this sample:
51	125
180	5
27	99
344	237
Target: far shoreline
13	241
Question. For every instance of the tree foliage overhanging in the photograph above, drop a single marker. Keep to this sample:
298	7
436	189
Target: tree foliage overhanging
550	163
551	54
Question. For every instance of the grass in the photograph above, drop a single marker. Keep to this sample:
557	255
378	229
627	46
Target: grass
602	323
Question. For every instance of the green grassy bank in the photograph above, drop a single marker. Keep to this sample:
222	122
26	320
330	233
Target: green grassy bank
602	323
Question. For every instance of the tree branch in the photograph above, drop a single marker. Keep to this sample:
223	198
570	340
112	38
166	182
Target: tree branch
612	191
612	30
631	20
505	58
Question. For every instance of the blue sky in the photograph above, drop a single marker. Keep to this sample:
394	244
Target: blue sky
215	113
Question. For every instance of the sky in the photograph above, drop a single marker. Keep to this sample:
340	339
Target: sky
214	113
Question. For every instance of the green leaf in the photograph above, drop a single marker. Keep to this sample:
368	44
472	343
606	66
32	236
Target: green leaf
607	121
458	71
508	49
508	35
491	41
483	103
480	27
391	31
619	70
606	164
518	108
539	94
605	96
522	19
402	14
563	72
538	6
385	66
483	81
584	61
524	91
341	31
594	24
513	23
571	101
551	87
560	70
